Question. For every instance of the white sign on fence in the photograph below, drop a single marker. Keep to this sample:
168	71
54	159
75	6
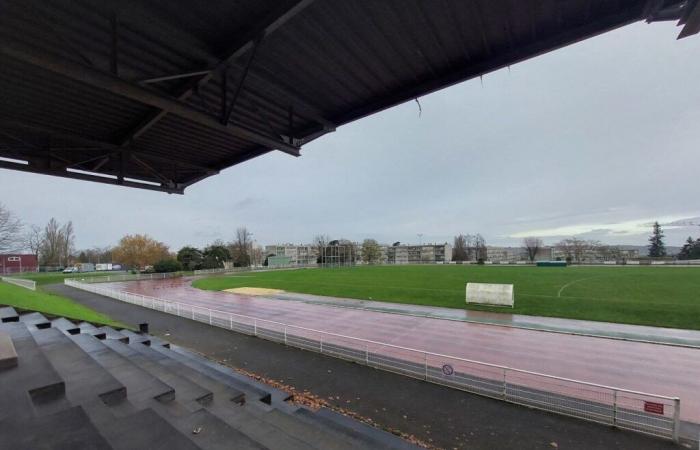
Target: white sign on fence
490	294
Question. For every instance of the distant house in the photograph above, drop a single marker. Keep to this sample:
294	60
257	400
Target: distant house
16	263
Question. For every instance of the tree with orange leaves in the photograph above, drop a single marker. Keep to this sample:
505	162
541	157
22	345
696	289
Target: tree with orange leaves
139	250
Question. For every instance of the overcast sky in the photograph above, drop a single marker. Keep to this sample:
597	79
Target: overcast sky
594	140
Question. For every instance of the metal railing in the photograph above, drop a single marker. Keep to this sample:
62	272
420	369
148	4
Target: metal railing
127	277
652	414
253	269
27	284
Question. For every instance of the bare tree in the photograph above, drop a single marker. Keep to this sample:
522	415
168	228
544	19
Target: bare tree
575	249
257	255
320	242
67	242
51	244
11	238
33	240
459	250
481	253
532	247
241	247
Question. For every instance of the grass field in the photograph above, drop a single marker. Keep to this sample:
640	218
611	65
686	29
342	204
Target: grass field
45	302
657	296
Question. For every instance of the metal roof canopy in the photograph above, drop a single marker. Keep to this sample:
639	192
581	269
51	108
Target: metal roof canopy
160	94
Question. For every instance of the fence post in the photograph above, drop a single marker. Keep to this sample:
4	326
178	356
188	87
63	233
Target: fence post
676	419
614	421
505	383
285	335
177	308
210	317
367	354
425	364
255	327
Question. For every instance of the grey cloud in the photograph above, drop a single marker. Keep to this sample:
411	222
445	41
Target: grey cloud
603	132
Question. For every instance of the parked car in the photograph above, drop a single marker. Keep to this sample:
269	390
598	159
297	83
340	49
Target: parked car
70	269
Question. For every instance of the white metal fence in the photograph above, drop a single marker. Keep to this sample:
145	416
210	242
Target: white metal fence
638	411
127	277
28	284
253	269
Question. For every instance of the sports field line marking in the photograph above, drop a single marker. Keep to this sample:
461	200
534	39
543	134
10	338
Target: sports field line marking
573	282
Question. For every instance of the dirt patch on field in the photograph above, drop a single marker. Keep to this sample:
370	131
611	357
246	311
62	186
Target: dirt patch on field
254	291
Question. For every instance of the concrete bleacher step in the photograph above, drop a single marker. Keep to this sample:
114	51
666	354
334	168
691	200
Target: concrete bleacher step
254	389
8	354
111	333
212	433
318	437
187	392
145	429
141	386
8	314
33	386
68	428
247	419
85	379
35	320
144	339
65	325
89	328
360	434
335	426
205	376
250	422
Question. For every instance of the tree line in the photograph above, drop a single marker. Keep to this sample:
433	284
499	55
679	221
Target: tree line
53	244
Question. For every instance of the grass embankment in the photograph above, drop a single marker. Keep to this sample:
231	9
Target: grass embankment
657	296
49	303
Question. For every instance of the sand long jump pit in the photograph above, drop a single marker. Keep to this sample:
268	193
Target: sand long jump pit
254	291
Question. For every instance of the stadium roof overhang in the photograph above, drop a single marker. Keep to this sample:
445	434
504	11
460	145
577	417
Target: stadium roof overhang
161	94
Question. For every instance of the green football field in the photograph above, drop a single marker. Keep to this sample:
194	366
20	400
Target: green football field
658	296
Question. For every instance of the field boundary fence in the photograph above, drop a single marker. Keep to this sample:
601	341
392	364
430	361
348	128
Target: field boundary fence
642	412
253	269
21	282
127	277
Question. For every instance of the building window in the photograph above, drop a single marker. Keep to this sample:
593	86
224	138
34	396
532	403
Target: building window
13	258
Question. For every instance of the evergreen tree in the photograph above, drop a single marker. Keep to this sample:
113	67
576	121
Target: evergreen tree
687	249
657	248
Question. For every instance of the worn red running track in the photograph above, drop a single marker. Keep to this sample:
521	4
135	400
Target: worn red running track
658	369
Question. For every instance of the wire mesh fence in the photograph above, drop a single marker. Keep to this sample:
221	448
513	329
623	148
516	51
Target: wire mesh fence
647	413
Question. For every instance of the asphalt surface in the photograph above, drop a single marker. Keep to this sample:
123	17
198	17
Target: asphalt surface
446	417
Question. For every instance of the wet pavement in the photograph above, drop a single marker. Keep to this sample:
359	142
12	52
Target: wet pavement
648	367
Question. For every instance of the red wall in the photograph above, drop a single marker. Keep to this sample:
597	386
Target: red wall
27	263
